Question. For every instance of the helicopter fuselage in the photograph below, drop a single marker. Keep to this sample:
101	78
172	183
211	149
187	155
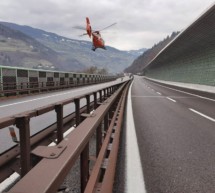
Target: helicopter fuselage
98	42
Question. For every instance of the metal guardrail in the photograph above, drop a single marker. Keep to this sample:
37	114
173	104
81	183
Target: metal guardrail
102	178
62	156
8	89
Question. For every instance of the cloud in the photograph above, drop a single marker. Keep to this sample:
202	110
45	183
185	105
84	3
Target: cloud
140	23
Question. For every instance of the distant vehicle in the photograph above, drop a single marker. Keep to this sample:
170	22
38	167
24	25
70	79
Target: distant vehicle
97	41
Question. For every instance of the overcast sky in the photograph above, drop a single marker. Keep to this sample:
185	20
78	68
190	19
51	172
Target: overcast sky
140	23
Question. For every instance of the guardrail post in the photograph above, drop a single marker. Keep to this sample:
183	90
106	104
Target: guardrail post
77	111
95	100
108	93
111	89
59	112
98	139
106	122
99	129
22	124
115	88
88	103
85	153
104	90
84	167
85	157
100	95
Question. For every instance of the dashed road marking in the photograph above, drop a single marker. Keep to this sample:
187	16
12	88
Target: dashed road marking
171	99
158	93
184	92
203	115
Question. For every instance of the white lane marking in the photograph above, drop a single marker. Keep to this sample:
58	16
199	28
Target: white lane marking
201	114
171	99
185	92
134	174
64	135
41	98
158	93
7	183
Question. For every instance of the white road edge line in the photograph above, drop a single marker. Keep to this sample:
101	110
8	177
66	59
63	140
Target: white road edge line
158	93
171	99
185	92
40	98
203	115
134	174
45	97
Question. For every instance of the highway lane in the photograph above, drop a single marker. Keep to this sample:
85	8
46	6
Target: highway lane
14	106
18	105
176	138
192	97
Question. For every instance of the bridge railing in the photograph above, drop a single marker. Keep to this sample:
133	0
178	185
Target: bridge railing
13	88
62	156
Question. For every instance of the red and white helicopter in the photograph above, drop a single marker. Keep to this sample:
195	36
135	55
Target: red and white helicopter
97	41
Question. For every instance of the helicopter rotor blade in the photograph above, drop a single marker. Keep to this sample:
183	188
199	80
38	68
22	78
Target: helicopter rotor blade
107	27
80	27
83	35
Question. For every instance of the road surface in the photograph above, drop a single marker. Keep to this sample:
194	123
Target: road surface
176	138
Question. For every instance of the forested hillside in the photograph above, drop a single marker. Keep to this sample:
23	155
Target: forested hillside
139	63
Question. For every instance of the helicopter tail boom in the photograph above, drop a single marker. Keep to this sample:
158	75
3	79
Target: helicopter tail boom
88	27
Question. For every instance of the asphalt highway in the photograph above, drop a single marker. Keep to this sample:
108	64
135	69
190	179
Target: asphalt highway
176	138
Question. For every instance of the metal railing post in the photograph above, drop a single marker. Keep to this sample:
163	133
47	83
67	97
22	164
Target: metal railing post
108	91
98	139
99	129
106	122
104	90
95	100
88	103
111	90
84	158
22	124
85	153
59	112
77	111
100	95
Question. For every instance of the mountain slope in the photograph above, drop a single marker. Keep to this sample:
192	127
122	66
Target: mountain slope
140	62
77	54
18	49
